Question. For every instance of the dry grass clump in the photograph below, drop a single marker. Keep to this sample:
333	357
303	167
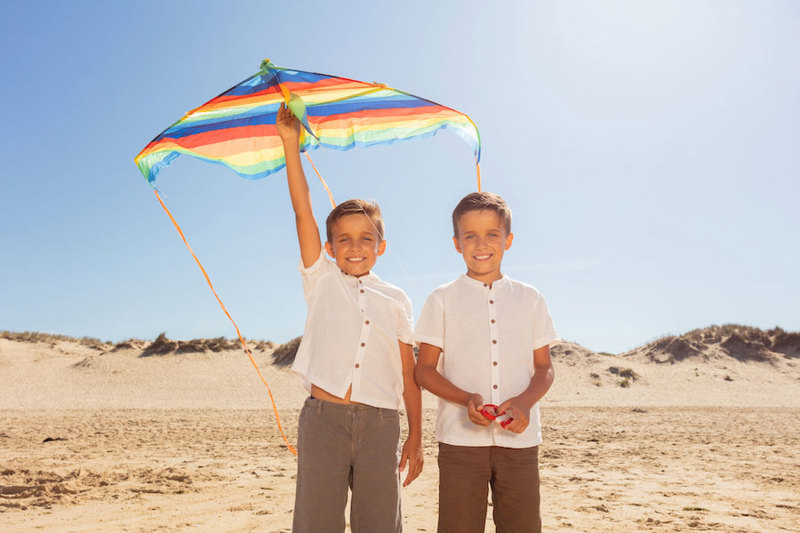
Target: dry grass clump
130	344
673	349
263	346
627	374
161	346
219	344
164	345
284	354
50	338
744	343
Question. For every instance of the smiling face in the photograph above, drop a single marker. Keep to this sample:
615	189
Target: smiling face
482	239
355	244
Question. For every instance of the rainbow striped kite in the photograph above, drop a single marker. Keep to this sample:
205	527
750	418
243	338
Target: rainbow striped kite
237	128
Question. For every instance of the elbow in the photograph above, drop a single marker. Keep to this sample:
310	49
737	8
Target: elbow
546	372
420	375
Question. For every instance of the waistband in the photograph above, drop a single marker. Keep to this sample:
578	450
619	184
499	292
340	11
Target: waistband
346	407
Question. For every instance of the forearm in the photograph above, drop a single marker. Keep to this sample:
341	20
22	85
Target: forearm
296	178
433	381
412	398
539	385
307	230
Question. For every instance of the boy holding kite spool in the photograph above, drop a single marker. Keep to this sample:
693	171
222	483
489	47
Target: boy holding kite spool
357	362
484	349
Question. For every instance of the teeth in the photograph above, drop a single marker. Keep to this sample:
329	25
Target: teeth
482	257
355	259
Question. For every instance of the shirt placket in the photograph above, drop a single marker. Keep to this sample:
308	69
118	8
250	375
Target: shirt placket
494	345
361	351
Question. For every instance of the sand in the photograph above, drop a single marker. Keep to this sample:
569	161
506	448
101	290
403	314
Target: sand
99	440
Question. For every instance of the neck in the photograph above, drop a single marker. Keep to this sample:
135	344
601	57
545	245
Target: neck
486	278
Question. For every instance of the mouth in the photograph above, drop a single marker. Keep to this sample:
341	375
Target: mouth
483	257
356	260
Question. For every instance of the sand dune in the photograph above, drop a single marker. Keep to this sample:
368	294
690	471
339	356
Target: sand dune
690	433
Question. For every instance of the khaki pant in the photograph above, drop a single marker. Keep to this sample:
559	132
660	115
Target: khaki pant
347	446
465	475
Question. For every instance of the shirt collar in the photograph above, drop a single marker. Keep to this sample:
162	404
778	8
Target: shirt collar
472	282
370	277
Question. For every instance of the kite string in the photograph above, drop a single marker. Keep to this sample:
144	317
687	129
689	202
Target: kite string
333	204
241	339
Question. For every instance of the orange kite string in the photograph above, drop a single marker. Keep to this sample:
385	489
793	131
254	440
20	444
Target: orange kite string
333	204
241	339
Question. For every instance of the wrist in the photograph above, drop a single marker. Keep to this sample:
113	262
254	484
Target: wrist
290	145
414	435
527	400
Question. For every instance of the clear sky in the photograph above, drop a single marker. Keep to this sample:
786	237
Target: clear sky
648	149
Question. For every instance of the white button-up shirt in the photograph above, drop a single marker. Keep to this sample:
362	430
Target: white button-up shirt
487	336
351	335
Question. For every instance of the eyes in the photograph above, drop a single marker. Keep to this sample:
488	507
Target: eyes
366	239
492	235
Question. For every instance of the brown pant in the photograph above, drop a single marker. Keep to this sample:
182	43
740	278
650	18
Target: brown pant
465	474
341	446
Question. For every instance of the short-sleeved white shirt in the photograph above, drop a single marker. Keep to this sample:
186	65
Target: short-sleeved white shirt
487	336
351	335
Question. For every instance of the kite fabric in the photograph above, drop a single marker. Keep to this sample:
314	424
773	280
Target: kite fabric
237	128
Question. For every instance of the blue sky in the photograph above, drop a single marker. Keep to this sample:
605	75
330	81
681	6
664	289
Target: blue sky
648	150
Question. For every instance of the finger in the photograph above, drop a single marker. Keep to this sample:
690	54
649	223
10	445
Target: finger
403	460
413	472
517	426
410	478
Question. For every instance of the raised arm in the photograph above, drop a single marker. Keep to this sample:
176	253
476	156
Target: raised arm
307	230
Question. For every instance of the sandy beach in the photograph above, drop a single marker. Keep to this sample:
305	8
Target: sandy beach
697	433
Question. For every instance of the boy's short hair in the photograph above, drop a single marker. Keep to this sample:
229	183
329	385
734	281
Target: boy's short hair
479	201
355	207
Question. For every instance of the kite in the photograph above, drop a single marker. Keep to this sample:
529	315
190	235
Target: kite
237	129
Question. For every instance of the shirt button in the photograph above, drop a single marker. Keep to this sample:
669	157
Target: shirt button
366	322
495	363
491	301
494	386
362	290
493	321
494	341
362	344
357	365
485	284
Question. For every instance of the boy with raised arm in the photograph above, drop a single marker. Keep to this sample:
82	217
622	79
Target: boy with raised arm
484	350
357	362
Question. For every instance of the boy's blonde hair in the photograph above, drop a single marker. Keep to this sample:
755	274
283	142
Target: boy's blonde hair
355	207
479	201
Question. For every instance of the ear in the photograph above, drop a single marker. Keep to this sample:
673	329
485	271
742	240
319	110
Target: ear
457	243
509	238
329	249
381	247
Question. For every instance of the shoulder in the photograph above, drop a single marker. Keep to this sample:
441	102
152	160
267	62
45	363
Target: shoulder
443	292
320	267
393	291
524	294
520	287
446	288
